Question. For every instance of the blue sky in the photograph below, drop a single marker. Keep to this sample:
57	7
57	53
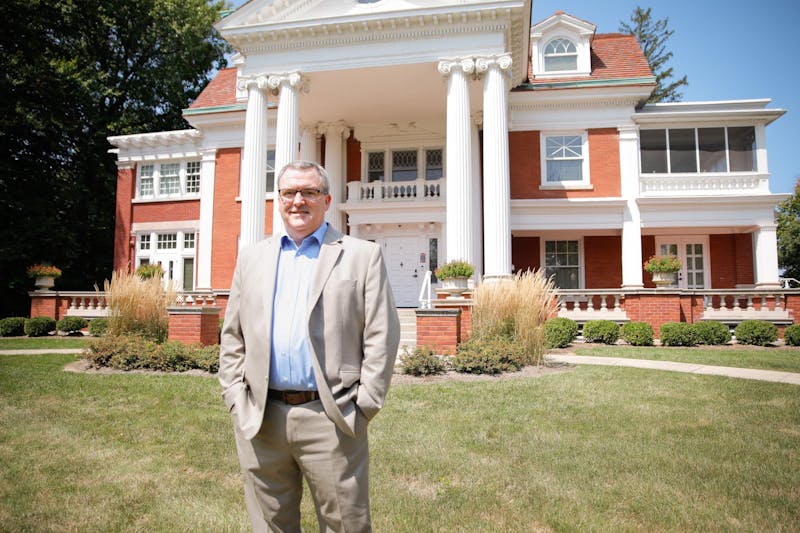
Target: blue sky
729	50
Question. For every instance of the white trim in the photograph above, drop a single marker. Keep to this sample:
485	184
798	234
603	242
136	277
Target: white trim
585	182
544	238
681	241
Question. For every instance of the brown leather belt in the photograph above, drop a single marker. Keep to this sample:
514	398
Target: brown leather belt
293	397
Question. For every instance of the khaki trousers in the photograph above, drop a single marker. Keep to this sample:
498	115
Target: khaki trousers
301	441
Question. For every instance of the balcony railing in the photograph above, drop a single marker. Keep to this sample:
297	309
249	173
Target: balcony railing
93	304
399	191
702	184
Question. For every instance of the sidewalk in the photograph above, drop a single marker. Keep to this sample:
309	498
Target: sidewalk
776	376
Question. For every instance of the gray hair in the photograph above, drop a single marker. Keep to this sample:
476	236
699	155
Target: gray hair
324	181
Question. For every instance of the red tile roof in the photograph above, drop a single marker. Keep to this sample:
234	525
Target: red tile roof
219	91
614	56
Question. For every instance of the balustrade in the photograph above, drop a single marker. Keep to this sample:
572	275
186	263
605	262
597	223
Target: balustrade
86	304
380	191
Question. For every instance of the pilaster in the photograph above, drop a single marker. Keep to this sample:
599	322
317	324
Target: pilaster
766	257
631	219
205	233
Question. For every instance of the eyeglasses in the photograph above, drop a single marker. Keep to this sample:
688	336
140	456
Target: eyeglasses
308	194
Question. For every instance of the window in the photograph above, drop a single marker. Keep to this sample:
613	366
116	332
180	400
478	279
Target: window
375	166
188	240
146	180
404	165
167	241
170	182
193	177
693	150
270	170
562	262
144	242
565	160
560	54
433	164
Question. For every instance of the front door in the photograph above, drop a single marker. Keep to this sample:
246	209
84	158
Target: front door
402	256
692	252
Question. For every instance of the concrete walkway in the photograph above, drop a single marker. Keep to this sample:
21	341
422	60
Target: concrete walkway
776	376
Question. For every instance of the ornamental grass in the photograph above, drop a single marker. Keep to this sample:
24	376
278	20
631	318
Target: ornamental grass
516	308
138	306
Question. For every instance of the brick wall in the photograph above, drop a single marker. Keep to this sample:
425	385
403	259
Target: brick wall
166	211
603	259
525	170
439	329
525	253
655	309
227	217
126	184
353	159
194	325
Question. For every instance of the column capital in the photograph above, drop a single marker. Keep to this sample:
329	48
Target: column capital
208	154
339	127
502	62
768	227
447	65
272	82
628	131
125	165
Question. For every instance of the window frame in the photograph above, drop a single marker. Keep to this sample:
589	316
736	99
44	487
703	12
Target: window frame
699	157
585	182
581	260
181	251
155	187
388	162
559	55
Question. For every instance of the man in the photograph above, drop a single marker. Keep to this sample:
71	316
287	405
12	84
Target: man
306	357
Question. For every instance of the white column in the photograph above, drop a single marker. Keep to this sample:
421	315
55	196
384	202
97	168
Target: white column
254	161
631	217
459	205
204	239
766	256
476	229
287	130
496	179
334	164
308	143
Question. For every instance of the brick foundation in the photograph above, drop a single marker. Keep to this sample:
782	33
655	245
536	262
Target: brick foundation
194	325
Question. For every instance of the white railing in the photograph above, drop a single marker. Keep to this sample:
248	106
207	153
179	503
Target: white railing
409	191
425	292
702	184
583	305
732	306
86	304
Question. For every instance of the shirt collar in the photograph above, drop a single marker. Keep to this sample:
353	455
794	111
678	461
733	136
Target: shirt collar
318	235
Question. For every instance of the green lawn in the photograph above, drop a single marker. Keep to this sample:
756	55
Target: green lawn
786	359
41	343
595	448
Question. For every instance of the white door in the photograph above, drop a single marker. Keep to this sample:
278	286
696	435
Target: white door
402	256
692	252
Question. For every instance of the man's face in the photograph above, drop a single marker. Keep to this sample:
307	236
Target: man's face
302	216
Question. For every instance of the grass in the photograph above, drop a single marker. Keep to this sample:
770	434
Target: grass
596	448
42	343
786	359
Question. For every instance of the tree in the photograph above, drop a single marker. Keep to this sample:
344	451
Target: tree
72	73
652	36
788	217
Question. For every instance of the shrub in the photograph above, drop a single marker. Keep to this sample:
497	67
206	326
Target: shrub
455	269
98	326
138	306
791	335
13	326
70	324
678	334
604	331
559	332
131	352
492	355
756	332
515	308
39	326
149	271
422	362
637	333
710	332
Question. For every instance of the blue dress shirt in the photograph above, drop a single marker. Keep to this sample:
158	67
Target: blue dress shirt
291	367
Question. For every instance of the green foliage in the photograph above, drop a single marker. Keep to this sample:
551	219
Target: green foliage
98	326
791	335
710	332
70	324
133	352
756	332
13	326
559	332
637	333
71	75
40	270
662	263
604	331
455	269
148	271
493	355
788	219
678	334
39	326
422	362
652	36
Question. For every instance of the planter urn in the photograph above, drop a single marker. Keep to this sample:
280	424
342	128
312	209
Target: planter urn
44	283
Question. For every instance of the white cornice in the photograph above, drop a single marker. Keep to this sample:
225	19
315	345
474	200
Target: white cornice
156	139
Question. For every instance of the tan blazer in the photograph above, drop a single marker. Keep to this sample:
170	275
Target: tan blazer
353	329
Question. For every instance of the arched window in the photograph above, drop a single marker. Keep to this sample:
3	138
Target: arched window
560	54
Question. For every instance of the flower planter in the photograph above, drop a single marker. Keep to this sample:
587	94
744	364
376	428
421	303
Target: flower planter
455	287
44	283
664	279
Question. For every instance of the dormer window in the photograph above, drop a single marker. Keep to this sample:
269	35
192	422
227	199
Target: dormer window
560	55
